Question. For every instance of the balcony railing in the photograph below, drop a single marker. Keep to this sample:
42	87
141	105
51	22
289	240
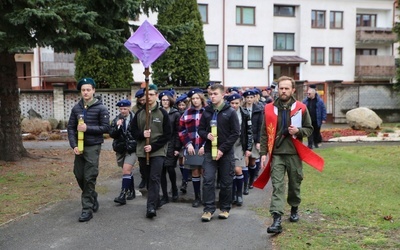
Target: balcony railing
375	35
375	67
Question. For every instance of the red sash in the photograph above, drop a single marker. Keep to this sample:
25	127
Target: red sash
305	154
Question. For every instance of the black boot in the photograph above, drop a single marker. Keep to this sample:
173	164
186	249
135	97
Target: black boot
251	180
121	199
197	200
294	216
130	195
246	188
239	198
175	195
276	227
164	200
184	187
142	183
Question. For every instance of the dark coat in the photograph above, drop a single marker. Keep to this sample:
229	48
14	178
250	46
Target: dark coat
256	121
174	144
246	135
97	120
227	124
123	140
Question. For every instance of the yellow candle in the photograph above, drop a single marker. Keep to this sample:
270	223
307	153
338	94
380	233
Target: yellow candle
214	143
80	135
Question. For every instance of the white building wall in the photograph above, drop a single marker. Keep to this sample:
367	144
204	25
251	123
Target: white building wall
222	30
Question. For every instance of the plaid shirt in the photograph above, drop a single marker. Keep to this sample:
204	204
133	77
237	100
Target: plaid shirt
188	126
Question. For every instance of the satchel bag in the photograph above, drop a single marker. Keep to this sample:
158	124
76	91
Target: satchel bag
195	160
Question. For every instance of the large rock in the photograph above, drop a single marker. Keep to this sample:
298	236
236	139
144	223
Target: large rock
363	118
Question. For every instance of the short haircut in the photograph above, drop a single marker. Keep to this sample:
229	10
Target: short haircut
218	86
284	78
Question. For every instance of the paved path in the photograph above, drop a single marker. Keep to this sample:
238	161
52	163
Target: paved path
177	225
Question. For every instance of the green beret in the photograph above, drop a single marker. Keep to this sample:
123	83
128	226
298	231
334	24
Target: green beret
85	80
153	87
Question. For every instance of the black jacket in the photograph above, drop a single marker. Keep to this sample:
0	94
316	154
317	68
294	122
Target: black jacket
256	121
174	144
97	120
123	140
228	128
246	135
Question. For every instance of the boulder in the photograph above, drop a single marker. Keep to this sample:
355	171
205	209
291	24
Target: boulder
363	118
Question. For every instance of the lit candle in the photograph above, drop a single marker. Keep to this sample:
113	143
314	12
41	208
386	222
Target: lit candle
80	134
214	143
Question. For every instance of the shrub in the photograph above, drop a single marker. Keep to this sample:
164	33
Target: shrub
387	130
337	135
53	122
55	137
29	137
35	126
372	135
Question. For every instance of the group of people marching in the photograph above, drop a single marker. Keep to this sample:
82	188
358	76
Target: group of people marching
216	142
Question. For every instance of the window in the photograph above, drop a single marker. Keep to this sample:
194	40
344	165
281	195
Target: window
366	52
235	57
283	10
317	56
366	20
212	55
336	20
255	57
203	9
335	56
283	41
318	19
245	15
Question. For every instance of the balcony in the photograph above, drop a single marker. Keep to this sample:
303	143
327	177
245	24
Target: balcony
366	35
374	68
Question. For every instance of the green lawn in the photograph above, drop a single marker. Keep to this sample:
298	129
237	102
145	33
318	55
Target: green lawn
353	204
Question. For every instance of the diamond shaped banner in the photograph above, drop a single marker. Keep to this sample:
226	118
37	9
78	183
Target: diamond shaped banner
147	44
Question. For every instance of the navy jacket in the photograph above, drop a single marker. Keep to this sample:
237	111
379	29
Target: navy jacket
97	120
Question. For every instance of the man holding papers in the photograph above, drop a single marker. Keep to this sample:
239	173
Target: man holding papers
286	122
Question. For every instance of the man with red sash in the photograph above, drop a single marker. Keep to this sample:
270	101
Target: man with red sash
286	122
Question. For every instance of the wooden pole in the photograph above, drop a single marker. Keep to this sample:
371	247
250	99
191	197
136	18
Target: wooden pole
147	74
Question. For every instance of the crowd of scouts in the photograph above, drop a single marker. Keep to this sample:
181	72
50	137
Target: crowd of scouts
169	131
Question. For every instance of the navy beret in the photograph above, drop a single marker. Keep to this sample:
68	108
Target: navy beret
249	92
194	91
165	93
257	91
86	80
233	97
139	93
124	103
233	89
313	86
172	90
181	98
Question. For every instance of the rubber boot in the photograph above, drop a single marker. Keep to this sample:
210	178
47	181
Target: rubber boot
121	199
276	227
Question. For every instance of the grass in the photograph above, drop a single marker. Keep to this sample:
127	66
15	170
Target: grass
30	184
353	204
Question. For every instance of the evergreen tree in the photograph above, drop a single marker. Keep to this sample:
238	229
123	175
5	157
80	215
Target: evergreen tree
185	62
109	73
66	26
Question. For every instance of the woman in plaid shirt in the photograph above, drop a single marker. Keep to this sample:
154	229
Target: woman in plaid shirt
192	142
